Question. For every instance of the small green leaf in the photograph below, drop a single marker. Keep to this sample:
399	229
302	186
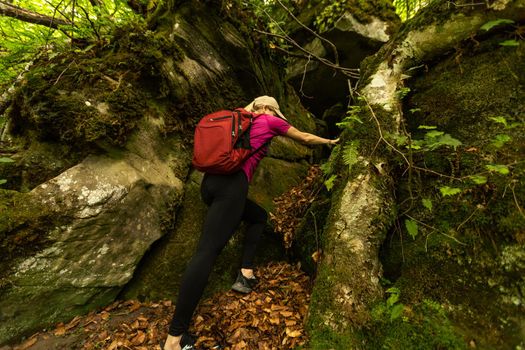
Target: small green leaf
6	160
501	120
510	43
392	299
434	134
330	182
499	168
2	181
428	127
446	140
491	24
449	191
396	312
500	140
414	110
412	228
427	203
478	179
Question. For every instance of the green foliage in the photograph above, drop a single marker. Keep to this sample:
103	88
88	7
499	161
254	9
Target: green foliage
478	179
351	117
350	153
330	182
425	327
427	203
21	42
434	139
498	168
406	9
412	228
449	191
491	24
510	43
500	140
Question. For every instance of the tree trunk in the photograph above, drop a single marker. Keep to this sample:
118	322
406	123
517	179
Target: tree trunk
30	16
348	282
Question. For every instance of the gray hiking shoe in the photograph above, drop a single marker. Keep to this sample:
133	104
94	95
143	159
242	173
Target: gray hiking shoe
243	284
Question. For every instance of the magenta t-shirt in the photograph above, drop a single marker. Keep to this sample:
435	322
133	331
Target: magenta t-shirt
264	128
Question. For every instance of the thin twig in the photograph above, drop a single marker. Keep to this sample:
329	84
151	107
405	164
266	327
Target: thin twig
347	71
467	219
304	76
516	201
334	48
69	65
435	229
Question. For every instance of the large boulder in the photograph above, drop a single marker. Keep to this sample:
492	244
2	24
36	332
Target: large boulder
103	214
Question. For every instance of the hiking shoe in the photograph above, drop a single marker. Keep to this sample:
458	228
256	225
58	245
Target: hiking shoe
243	284
187	342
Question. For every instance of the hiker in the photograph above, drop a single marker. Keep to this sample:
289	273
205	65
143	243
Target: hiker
226	197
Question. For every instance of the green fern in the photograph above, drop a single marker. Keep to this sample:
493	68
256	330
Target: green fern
350	153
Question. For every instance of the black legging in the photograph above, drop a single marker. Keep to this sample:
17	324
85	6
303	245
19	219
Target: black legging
226	197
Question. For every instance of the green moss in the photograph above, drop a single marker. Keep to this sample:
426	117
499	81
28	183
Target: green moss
424	326
21	233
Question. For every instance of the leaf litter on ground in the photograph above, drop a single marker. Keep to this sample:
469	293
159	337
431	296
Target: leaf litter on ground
269	318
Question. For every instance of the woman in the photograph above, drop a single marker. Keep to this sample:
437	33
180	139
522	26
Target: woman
226	197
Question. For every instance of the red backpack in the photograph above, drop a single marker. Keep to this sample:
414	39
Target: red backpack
222	141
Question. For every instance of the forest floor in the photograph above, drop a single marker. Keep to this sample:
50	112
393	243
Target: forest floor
271	317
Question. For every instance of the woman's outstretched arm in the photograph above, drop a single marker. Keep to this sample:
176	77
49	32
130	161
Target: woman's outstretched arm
307	138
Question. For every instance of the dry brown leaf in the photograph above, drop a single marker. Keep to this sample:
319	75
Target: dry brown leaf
28	343
60	330
139	339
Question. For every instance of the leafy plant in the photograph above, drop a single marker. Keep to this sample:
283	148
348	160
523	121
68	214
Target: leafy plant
351	117
434	139
449	191
412	228
498	168
395	309
427	203
491	24
329	184
500	140
350	154
510	43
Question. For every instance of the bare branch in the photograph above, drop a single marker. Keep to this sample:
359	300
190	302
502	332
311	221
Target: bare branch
334	48
353	73
21	14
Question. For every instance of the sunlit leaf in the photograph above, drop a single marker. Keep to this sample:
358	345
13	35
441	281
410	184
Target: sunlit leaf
411	227
491	24
427	127
500	140
6	160
499	168
330	182
510	43
449	191
396	312
433	134
427	203
478	179
499	119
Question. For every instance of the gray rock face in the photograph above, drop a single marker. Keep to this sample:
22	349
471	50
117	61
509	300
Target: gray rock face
115	208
